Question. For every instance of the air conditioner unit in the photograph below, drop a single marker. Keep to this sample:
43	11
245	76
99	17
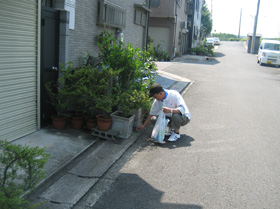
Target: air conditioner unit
183	24
196	30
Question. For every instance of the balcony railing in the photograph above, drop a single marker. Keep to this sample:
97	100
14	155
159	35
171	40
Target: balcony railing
111	14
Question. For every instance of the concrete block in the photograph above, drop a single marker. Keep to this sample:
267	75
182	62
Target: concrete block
69	189
110	134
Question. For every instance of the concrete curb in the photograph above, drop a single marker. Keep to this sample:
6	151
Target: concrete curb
86	175
172	76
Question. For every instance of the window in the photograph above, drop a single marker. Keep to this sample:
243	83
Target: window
137	19
190	8
47	3
272	46
110	14
186	6
196	30
140	18
154	3
143	19
197	5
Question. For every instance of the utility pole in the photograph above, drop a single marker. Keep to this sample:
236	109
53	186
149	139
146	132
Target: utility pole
240	23
255	29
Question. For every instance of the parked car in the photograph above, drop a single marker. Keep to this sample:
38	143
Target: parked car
269	52
216	41
209	41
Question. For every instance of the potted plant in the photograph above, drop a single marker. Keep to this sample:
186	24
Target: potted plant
104	119
199	50
123	124
210	51
104	106
87	87
126	61
103	94
81	96
58	100
73	89
130	66
129	113
123	118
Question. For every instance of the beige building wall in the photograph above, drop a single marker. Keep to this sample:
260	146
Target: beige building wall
172	15
197	23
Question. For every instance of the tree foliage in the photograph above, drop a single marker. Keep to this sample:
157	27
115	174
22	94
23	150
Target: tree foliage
131	65
225	36
206	19
20	171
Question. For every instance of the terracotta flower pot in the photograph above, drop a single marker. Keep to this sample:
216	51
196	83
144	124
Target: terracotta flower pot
59	122
103	122
77	122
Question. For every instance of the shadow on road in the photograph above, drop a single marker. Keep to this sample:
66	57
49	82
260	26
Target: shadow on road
200	61
219	54
184	141
270	66
209	61
131	191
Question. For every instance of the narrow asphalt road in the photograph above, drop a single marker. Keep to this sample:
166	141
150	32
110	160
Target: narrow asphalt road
228	155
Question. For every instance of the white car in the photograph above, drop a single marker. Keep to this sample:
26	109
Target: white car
209	41
269	52
216	41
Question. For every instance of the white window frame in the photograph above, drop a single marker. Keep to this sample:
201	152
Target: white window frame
140	18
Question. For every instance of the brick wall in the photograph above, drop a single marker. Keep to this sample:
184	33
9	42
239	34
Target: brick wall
83	37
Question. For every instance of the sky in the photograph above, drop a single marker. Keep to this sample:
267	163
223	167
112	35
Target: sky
226	17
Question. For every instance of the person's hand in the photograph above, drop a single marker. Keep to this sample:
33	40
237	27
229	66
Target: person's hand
166	110
139	128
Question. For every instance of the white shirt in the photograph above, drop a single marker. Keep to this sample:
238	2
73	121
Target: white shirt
174	100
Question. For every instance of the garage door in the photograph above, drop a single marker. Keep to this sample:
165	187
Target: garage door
18	68
160	35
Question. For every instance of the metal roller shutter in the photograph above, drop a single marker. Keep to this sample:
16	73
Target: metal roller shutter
18	68
161	36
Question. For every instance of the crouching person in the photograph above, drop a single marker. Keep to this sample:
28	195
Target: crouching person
174	107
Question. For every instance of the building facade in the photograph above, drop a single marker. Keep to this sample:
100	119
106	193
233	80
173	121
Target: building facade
37	36
194	16
175	25
128	20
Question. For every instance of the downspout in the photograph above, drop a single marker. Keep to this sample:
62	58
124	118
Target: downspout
192	28
175	29
39	65
148	24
